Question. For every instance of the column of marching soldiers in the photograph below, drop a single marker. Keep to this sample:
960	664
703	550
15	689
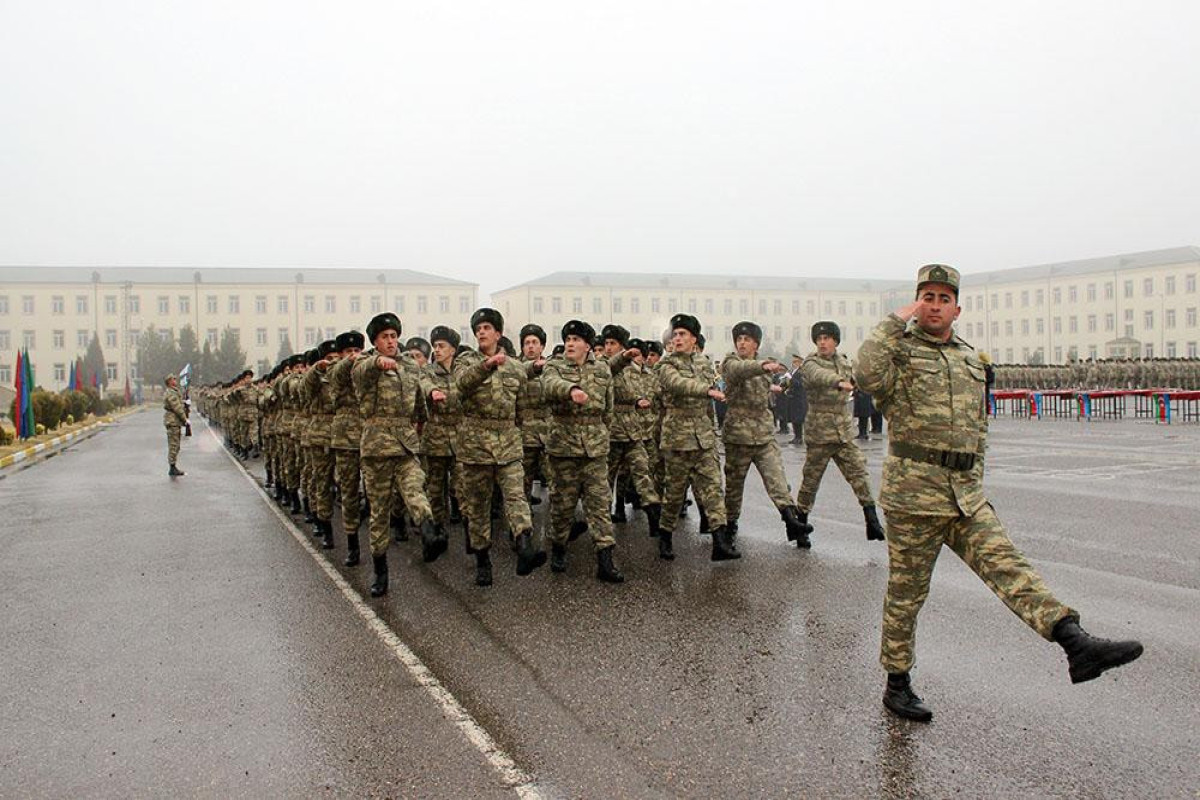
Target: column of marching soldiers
421	435
1103	373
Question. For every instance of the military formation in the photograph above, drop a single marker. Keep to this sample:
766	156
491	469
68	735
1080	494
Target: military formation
1102	374
423	435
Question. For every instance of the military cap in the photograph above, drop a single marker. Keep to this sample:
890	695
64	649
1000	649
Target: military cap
637	344
654	347
579	328
827	328
326	347
616	333
491	315
350	339
557	351
687	322
532	329
938	273
383	322
506	345
417	343
246	372
312	356
748	329
444	333
169	378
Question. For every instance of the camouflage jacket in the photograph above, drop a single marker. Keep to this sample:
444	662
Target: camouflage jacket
747	390
268	407
687	419
829	418
319	395
534	412
248	403
629	386
289	400
174	415
579	431
489	398
932	393
391	405
438	435
346	431
651	417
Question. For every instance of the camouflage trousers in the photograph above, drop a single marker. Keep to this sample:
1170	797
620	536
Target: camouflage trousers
583	479
629	458
389	480
442	476
321	461
768	460
476	484
849	460
306	473
980	541
347	470
173	432
654	459
291	463
535	462
701	470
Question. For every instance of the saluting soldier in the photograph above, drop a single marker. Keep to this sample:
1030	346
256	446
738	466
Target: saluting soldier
580	389
174	419
391	400
689	440
828	430
344	439
489	385
291	423
533	413
930	385
749	431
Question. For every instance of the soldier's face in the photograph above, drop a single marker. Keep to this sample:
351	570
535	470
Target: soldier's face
576	349
653	358
418	356
443	353
746	346
682	341
826	345
387	343
938	309
351	352
611	347
532	347
487	336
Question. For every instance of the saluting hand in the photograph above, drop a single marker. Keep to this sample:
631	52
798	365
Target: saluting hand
643	403
494	361
385	363
437	396
909	311
579	396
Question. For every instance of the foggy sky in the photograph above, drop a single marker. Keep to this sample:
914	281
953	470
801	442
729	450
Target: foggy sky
496	142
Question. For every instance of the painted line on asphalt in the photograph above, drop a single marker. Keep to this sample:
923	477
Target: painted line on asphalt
511	775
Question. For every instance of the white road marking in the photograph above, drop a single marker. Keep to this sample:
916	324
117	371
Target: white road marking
511	775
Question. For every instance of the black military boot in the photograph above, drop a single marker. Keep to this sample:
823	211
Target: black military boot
797	528
606	571
578	528
297	506
380	586
558	558
704	527
804	542
351	550
664	544
653	518
308	515
483	568
634	499
432	544
455	512
528	559
175	472
902	701
318	530
731	528
1090	656
467	539
618	514
269	482
327	530
400	528
874	529
723	549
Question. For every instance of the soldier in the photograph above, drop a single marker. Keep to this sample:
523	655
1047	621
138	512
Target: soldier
534	415
391	401
653	416
749	432
580	389
688	439
829	382
174	418
930	385
439	434
318	392
419	349
345	436
489	385
627	433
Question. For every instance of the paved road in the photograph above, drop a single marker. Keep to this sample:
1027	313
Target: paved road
176	637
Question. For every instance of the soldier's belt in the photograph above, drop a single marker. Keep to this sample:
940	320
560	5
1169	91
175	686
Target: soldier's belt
594	418
536	413
490	424
950	459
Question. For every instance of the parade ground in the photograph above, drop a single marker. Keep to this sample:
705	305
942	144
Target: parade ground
187	638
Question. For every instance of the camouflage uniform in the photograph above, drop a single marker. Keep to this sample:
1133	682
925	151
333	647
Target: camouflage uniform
174	418
317	389
689	441
932	393
535	428
652	425
437	443
344	438
749	435
489	447
628	431
391	404
828	430
579	446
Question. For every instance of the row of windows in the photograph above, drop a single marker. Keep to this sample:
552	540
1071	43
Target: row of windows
692	306
60	373
233	304
1038	296
1092	323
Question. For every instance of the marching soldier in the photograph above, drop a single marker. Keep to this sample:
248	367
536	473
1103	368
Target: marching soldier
391	401
320	400
419	349
174	419
440	432
345	436
828	432
749	432
627	433
580	388
533	412
930	385
489	450
688	439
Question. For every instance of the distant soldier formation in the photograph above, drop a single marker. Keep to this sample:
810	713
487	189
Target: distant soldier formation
1102	374
414	437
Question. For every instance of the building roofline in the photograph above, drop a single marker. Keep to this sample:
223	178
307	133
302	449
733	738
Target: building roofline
224	276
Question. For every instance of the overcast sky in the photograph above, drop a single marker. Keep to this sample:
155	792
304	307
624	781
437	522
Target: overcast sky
498	141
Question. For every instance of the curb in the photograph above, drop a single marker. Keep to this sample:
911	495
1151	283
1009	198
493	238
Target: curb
41	447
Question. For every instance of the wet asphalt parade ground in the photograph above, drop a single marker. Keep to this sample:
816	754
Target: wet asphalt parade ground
186	638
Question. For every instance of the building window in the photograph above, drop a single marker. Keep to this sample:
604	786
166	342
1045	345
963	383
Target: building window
778	333
210	303
355	304
110	304
235	304
1169	318
330	304
422	304
1189	286
464	304
1008	299
1147	287
873	309
443	304
260	337
331	333
1073	324
3	304
29	340
132	336
1008	355
82	339
1091	323
1189	318
1057	325
1024	327
185	304
1110	322
778	306
709	305
5	340
796	308
6	375
1191	350
828	307
1169	286
1039	297
376	303
995	301
1129	315
211	337
59	340
399	304
1041	326
635	305
27	305
1148	350
537	305
728	306
56	304
60	373
556	305
1091	292
281	304
597	305
1057	295
164	305
1058	355
1072	294
1008	328
81	304
1148	320
1108	290
310	304
995	330
283	336
1128	289
260	304
1024	298
616	305
672	305
841	308
310	337
691	305
1170	349
858	308
110	371
110	338
576	305
1092	352
655	305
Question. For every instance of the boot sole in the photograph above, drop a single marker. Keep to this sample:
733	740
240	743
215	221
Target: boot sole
1092	671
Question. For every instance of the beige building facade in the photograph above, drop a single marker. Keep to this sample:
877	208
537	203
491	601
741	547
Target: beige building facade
54	311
